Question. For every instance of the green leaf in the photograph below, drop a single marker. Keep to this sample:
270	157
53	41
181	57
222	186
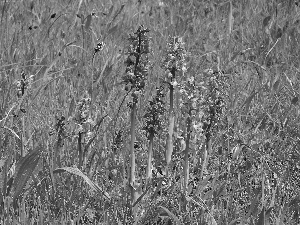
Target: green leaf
169	148
294	100
110	10
76	171
276	85
220	191
171	215
234	222
261	218
253	206
278	33
266	21
268	215
4	177
88	22
248	101
2	163
24	169
113	30
141	196
236	151
118	12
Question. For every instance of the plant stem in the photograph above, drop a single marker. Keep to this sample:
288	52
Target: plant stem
186	157
132	153
79	150
169	146
150	155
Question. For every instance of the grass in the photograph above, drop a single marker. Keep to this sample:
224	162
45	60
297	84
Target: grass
194	123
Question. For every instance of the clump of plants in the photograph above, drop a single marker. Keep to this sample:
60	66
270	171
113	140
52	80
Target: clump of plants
153	119
174	64
137	66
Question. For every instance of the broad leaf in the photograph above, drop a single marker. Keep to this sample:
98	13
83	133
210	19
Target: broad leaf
294	100
2	163
266	21
171	215
248	101
276	85
77	172
88	22
261	218
24	169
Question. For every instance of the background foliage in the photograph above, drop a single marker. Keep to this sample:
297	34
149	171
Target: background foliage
202	129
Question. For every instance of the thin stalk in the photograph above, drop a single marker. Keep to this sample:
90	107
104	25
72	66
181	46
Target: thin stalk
207	150
149	162
80	154
169	146
56	160
132	153
186	156
262	184
23	137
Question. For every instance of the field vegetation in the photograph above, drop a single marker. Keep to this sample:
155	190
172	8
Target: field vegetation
150	112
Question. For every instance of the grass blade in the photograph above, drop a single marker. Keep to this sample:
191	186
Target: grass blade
76	171
25	168
171	215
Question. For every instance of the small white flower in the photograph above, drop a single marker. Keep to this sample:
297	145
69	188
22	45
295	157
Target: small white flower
161	4
84	114
201	114
174	83
194	104
89	134
209	71
197	126
191	79
80	128
92	122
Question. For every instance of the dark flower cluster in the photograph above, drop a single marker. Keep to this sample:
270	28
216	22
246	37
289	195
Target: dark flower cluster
137	63
138	145
154	113
82	110
99	47
118	141
214	103
190	95
59	127
23	84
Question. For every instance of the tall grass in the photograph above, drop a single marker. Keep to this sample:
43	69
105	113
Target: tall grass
149	112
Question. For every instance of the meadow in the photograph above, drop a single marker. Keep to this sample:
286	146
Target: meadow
150	112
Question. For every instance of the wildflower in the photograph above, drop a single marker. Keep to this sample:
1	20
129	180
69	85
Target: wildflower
137	63
174	83
154	113
99	47
176	55
82	110
23	84
191	80
118	141
88	136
